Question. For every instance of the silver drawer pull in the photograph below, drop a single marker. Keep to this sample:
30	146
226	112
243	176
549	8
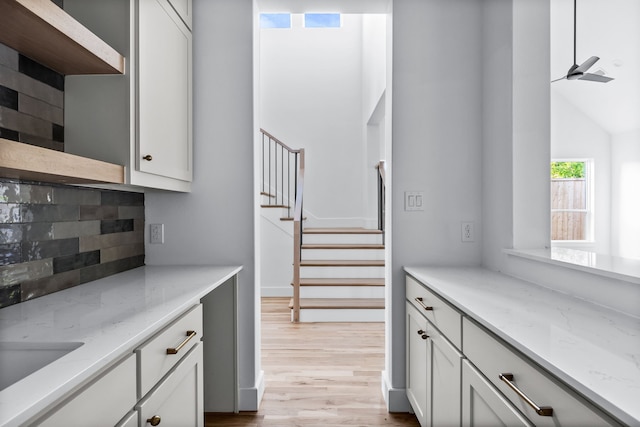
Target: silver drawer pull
190	334
543	411
426	307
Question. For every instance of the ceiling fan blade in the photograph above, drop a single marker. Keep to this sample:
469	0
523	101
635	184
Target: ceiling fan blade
586	65
557	80
596	78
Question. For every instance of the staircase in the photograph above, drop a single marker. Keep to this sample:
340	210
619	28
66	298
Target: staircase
341	275
338	273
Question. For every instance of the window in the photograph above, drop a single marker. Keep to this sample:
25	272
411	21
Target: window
571	201
275	20
322	20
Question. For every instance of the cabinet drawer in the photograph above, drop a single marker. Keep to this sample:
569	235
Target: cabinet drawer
101	403
178	399
493	358
155	358
441	314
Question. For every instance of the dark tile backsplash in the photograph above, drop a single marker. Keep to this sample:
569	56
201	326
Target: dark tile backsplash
31	101
39	72
53	237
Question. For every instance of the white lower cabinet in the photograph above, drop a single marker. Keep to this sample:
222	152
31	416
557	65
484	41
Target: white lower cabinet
417	367
178	399
433	372
489	383
483	405
130	420
161	383
103	402
535	393
446	365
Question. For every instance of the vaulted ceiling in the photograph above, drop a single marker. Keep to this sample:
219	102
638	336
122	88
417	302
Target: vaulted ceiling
609	29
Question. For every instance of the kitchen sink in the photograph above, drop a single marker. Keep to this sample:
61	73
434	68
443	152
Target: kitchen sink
20	359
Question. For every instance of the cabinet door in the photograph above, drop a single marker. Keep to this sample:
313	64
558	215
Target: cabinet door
131	420
101	403
177	400
184	9
164	92
444	390
484	405
418	353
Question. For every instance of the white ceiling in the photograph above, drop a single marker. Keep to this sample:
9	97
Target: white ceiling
609	29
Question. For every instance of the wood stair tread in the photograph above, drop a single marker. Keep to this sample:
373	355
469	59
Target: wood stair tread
339	303
341	263
341	282
341	230
342	246
274	206
262	193
290	218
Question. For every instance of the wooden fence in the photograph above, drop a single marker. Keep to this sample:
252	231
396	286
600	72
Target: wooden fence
568	194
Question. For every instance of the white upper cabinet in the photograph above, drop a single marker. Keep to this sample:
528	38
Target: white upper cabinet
184	9
142	119
164	92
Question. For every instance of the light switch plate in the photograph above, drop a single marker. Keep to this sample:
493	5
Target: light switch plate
414	200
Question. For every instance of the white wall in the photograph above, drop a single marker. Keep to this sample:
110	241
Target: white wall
215	223
311	98
515	128
625	194
437	147
575	136
374	57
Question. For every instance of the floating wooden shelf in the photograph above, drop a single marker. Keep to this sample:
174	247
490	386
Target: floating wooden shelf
47	34
28	162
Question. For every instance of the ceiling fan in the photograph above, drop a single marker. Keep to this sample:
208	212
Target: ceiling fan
579	72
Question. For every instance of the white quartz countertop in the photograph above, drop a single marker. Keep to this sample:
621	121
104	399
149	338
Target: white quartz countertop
110	316
593	349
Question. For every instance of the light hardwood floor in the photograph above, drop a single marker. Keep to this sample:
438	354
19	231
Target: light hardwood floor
318	374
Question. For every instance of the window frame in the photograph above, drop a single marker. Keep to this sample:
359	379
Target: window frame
589	204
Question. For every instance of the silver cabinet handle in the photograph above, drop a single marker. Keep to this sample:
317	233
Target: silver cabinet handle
543	411
420	301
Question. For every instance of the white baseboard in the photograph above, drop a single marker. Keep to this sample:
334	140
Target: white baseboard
249	398
395	398
276	291
310	315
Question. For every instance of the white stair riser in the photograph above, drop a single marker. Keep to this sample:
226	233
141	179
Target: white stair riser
342	272
341	291
355	254
343	238
341	315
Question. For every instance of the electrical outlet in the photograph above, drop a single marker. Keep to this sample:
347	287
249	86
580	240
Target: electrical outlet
468	234
156	233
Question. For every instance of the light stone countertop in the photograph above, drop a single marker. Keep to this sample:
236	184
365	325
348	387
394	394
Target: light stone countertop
593	349
111	316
